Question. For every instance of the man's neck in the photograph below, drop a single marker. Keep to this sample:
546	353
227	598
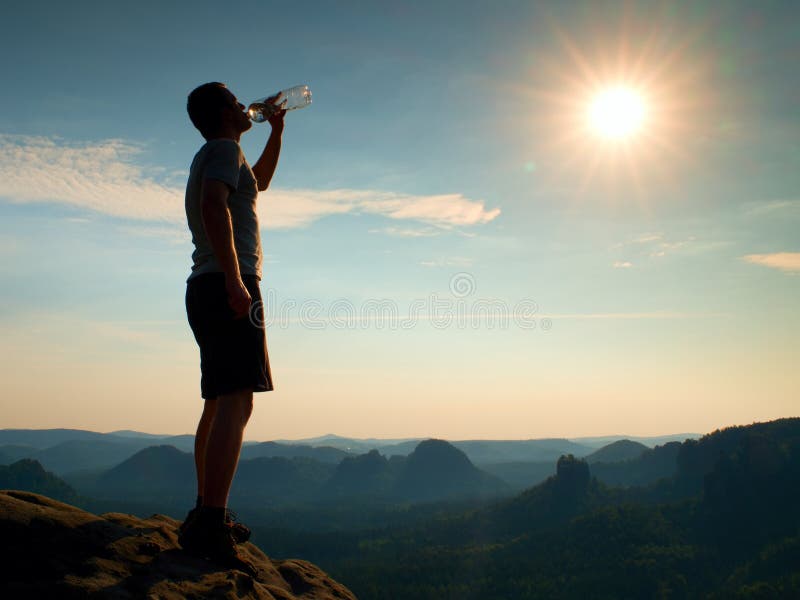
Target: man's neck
228	133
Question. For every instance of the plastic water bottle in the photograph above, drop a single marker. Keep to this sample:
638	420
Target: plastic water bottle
262	109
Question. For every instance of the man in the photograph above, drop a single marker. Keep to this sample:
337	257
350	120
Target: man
223	305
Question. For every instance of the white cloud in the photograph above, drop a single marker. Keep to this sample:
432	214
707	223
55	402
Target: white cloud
104	177
622	264
785	261
99	176
445	210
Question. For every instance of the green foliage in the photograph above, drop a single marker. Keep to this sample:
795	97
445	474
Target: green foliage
725	526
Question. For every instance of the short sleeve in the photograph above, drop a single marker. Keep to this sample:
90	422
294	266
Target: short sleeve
223	163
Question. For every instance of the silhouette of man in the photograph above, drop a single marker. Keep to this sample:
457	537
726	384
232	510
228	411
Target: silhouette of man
224	309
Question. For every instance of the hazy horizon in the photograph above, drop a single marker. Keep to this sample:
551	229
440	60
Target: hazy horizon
452	247
122	432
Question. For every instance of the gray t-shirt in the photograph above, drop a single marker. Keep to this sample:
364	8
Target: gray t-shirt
222	159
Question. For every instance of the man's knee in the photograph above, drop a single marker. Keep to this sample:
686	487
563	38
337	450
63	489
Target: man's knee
209	409
239	402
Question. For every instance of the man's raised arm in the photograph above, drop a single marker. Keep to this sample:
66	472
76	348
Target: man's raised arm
264	168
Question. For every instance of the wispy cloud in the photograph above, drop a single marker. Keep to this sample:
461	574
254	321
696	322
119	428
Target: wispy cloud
453	261
785	261
772	207
444	210
409	232
645	238
641	239
105	177
637	315
99	176
663	248
658	245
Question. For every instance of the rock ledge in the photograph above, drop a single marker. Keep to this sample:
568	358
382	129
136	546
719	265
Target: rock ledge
54	550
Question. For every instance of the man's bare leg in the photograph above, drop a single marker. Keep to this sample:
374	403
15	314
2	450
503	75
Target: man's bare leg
224	444
201	442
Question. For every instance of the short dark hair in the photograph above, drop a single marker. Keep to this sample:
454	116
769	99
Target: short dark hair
205	104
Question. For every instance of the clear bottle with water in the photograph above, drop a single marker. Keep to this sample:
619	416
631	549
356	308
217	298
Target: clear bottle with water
292	98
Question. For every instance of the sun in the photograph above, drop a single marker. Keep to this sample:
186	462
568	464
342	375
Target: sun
617	113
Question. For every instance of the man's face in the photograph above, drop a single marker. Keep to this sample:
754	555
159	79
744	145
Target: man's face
236	112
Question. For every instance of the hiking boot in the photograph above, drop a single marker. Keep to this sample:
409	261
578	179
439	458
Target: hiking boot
241	533
190	516
214	541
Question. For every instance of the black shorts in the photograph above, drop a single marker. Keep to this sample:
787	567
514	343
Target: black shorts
233	352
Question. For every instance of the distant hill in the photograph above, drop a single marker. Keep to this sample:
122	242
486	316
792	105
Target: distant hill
436	470
278	481
128	433
10	453
617	452
368	475
483	452
487	452
697	458
353	445
65	451
79	454
166	476
650	466
649	441
44	438
326	454
88	454
620	463
161	471
523	474
570	492
29	475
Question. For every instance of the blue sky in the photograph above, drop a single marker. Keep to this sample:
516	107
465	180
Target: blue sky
443	148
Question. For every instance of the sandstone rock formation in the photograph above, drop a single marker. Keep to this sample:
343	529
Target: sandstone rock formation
54	550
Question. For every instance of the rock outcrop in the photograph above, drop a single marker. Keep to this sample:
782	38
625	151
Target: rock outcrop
54	550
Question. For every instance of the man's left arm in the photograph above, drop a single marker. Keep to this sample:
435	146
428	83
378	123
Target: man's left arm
264	168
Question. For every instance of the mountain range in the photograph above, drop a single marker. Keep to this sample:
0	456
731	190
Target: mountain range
68	451
145	468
